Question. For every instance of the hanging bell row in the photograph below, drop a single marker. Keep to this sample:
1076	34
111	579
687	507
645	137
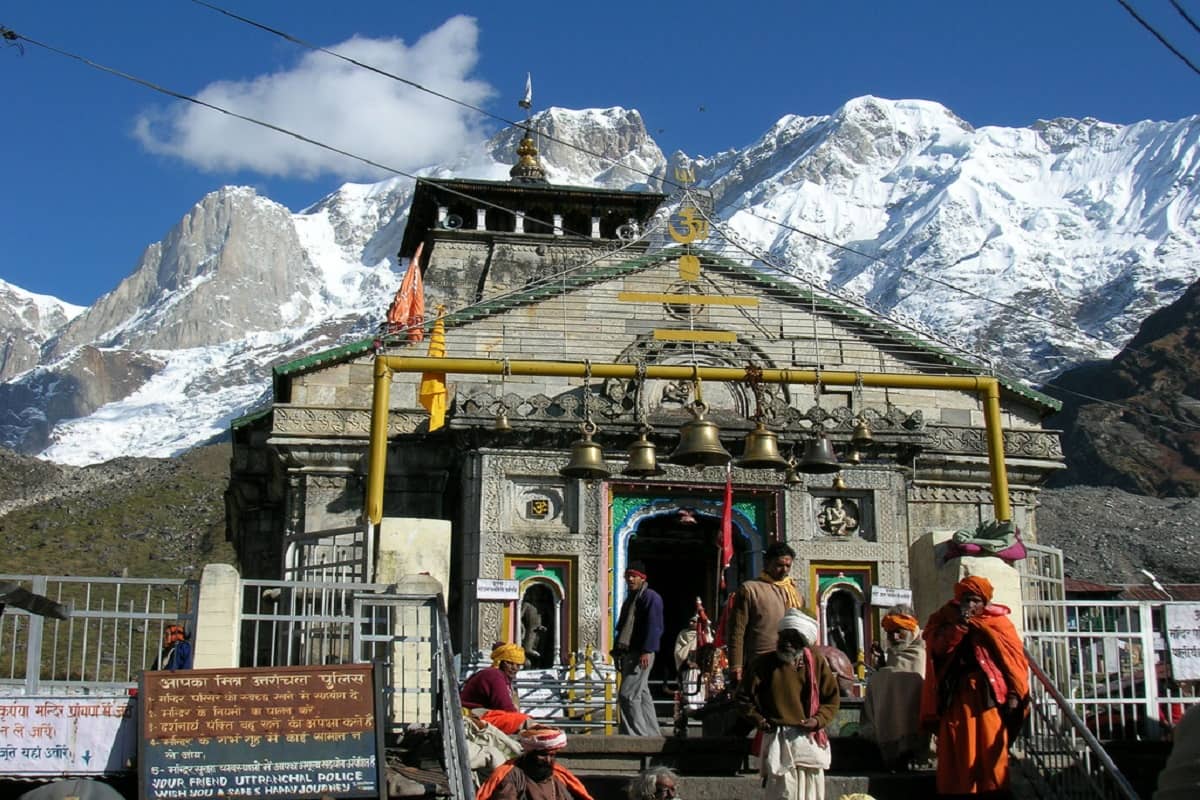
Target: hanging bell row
700	446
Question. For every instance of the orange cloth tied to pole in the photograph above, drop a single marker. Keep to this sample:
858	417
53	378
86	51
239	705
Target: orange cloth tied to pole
407	311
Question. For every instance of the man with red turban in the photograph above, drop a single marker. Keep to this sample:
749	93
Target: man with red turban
891	712
489	693
534	775
976	690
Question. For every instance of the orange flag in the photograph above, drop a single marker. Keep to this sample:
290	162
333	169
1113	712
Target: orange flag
433	384
407	311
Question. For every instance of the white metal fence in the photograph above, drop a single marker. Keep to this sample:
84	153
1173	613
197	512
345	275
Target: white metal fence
114	631
1109	660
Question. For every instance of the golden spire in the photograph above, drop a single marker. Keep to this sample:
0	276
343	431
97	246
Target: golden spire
528	168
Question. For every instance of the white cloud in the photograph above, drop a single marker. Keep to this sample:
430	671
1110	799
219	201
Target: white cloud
339	104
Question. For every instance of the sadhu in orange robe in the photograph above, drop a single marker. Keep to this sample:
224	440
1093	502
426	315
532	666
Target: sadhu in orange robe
972	668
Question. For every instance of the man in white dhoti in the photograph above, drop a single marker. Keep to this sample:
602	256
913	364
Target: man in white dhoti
791	695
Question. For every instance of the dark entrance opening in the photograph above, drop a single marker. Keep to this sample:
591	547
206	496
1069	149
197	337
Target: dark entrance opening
681	551
538	626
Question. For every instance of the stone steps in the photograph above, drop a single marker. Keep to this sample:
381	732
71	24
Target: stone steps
721	768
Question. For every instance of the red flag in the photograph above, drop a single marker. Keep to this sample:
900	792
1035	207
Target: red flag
727	525
407	311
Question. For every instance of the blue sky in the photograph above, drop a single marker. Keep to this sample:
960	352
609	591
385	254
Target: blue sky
96	168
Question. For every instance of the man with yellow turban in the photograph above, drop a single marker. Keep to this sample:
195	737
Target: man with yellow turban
976	690
891	713
535	774
489	693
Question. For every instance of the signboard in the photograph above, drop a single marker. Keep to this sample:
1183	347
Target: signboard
1183	640
67	735
296	732
886	597
497	589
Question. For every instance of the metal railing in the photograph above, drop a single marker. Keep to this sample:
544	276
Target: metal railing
288	623
1108	659
455	759
296	622
114	631
580	697
1069	762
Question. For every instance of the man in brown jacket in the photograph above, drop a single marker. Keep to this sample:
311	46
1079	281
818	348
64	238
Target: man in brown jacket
759	605
791	695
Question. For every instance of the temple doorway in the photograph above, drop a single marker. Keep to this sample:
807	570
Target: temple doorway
682	553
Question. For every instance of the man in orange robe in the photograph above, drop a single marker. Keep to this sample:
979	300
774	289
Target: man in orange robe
534	775
976	691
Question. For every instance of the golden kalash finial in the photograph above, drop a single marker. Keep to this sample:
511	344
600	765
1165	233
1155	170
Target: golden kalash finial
528	168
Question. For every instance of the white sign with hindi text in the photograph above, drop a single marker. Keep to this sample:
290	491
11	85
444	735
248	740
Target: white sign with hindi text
66	735
885	596
497	589
1183	640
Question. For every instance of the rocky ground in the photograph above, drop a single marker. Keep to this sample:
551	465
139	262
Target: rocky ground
1108	535
135	517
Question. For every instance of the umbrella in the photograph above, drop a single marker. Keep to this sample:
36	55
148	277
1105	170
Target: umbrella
12	594
75	789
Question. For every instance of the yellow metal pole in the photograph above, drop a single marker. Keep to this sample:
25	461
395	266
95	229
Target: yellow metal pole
995	445
572	369
987	387
377	455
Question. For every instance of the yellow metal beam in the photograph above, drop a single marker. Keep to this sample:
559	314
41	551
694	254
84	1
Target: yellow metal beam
987	387
687	299
679	335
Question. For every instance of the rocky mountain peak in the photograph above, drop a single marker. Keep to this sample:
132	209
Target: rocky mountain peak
1078	228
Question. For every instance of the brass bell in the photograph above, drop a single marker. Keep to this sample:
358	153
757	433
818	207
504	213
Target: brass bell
587	457
501	425
818	457
839	483
861	438
853	457
761	450
700	443
643	461
792	477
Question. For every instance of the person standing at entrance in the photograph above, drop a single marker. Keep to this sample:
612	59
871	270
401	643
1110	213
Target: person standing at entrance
639	628
976	690
759	605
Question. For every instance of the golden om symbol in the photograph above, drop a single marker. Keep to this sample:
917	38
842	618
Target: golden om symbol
694	227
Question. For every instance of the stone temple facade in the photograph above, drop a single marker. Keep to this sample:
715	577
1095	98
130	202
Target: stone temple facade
530	271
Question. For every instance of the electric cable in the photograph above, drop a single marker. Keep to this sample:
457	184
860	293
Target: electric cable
1183	13
666	182
13	36
1162	39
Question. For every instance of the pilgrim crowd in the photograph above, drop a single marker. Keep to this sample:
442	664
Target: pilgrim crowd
958	688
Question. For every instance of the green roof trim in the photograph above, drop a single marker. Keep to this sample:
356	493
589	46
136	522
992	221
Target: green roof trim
250	417
772	285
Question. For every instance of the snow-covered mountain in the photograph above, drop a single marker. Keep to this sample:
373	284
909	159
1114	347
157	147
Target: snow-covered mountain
1041	246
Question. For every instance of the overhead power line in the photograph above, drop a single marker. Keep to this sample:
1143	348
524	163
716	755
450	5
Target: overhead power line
13	36
920	275
1163	39
1183	13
